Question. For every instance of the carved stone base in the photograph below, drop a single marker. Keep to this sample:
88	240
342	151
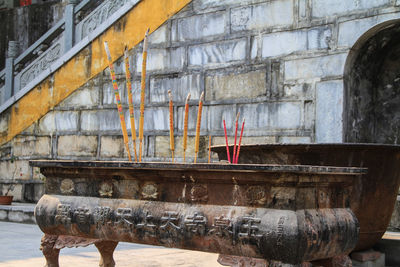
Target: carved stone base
106	249
48	250
52	244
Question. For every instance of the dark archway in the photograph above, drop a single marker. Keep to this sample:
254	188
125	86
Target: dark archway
372	87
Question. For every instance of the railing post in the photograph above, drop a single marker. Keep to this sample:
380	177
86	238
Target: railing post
12	53
69	31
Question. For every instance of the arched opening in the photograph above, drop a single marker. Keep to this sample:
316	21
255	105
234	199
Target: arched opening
372	87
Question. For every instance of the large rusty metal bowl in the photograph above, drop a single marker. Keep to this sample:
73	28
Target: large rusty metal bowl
374	193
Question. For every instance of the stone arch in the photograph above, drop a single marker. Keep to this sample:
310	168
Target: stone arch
372	87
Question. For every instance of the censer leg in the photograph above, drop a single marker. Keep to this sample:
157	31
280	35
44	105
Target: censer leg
48	250
106	249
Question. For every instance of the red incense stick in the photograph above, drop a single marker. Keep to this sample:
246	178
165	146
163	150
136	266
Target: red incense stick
234	146
227	146
240	141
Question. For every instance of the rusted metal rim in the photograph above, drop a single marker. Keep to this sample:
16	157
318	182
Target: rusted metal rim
305	147
200	166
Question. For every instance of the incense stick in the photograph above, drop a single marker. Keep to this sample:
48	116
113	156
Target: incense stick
197	140
142	95
209	148
227	145
240	141
185	127
236	128
130	100
171	125
117	98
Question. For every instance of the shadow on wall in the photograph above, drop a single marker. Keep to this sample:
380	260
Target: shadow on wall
372	87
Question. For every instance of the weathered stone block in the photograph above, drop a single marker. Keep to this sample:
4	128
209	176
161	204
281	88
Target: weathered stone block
192	120
77	145
234	86
162	59
159	36
179	86
298	90
31	146
84	97
197	27
261	16
100	120
318	67
66	120
4	120
162	147
280	43
350	31
16	169
206	4
59	121
156	119
111	147
326	8
295	139
329	112
246	140
221	52
274	115
109	95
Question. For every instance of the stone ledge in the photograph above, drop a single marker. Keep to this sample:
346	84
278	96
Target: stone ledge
18	212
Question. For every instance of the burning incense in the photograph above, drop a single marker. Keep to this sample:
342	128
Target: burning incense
130	100
227	145
240	141
117	98
236	128
209	148
197	140
171	125
185	126
142	95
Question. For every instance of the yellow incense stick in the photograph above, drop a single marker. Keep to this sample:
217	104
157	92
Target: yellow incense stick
185	126
171	125
130	100
197	140
117	98
142	95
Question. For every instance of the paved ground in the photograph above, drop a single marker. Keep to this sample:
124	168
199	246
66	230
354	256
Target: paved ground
19	246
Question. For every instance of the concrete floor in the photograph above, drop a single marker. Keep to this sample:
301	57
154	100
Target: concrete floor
19	246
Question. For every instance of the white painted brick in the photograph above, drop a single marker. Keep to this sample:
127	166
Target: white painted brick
222	52
350	31
302	9
180	87
329	112
162	59
261	16
318	67
47	123
206	4
281	43
326	8
200	26
298	90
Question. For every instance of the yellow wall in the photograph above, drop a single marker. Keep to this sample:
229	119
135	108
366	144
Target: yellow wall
129	30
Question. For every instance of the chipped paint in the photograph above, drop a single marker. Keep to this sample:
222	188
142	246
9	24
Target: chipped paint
129	31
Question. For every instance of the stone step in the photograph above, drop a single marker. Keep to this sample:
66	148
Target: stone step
18	212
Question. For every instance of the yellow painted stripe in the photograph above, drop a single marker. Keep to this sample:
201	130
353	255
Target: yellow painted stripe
129	30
